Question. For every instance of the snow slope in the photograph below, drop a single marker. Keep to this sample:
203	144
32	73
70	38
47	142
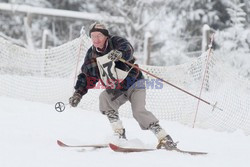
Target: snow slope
29	130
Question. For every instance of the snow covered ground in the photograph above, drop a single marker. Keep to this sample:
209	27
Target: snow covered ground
29	130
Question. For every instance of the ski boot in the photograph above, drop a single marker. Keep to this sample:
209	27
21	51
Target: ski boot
120	133
167	143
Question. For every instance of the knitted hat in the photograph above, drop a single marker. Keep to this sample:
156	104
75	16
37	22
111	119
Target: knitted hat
98	27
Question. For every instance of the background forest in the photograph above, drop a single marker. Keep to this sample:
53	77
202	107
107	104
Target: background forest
175	27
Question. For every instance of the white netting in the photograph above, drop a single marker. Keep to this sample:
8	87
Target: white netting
48	76
41	75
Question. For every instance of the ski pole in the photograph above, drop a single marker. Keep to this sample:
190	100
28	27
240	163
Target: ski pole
134	66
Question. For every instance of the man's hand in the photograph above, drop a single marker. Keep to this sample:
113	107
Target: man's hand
115	55
75	99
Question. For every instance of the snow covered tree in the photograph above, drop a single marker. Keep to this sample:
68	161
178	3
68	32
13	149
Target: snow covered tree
236	34
12	25
137	16
175	25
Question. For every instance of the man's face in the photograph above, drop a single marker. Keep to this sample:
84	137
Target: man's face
98	39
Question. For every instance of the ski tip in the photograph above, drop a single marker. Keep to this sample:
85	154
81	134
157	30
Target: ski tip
113	146
60	143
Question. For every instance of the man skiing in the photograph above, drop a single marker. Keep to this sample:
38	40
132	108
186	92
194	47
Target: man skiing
108	50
